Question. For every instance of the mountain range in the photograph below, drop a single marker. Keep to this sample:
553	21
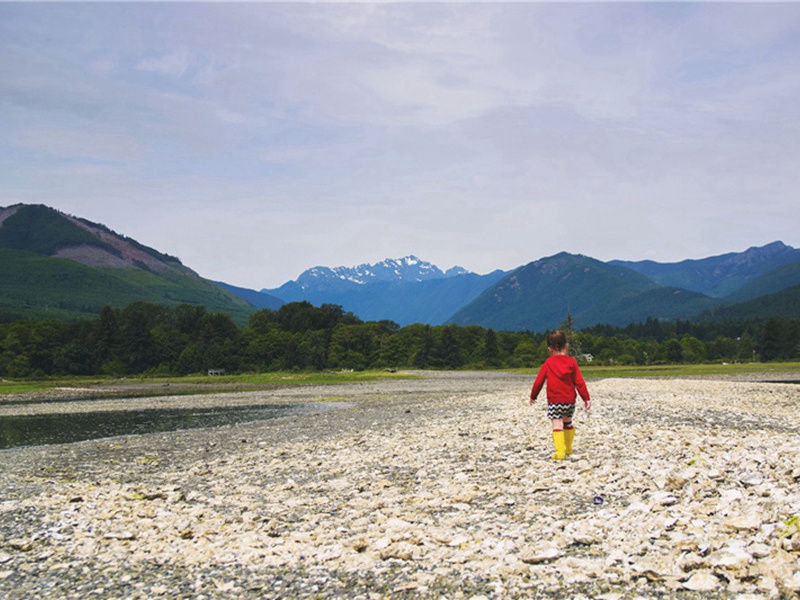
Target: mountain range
538	296
406	290
60	266
718	276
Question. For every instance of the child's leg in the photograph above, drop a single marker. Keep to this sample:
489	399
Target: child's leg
569	434
559	440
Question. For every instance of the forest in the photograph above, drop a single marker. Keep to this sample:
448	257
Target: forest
151	339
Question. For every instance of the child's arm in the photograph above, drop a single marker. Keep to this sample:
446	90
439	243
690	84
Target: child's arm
580	385
538	384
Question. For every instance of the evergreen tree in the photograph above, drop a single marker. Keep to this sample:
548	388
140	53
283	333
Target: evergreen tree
425	343
448	350
771	340
568	327
491	350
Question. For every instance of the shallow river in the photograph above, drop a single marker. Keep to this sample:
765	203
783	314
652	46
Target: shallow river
30	430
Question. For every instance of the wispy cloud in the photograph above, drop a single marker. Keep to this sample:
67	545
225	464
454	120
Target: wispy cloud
175	64
484	134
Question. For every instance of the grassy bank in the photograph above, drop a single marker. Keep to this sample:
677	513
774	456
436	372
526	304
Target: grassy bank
208	384
690	370
195	383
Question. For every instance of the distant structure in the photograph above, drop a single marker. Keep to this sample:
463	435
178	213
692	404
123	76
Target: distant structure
217	372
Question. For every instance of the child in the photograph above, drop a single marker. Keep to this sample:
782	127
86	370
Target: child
563	378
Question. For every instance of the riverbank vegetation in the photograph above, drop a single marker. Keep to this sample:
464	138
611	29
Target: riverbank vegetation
159	341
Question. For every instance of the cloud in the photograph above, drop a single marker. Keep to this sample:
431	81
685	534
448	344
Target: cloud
175	63
286	135
78	144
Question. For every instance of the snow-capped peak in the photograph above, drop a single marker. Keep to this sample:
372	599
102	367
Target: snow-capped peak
409	268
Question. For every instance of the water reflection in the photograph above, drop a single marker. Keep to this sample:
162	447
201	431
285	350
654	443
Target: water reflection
31	430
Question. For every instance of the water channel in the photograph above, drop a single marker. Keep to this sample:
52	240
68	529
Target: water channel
60	428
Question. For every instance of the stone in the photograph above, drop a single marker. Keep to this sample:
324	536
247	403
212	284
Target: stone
702	581
731	557
751	479
120	535
541	554
458	492
793	583
743	522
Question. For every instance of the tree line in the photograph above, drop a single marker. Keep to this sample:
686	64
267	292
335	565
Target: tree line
153	339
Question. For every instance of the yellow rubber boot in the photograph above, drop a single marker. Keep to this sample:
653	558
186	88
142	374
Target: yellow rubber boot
569	435
560	444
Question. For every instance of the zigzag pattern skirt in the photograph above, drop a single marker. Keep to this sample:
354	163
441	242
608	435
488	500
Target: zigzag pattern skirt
560	411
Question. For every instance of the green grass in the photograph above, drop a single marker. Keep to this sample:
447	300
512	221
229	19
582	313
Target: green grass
689	370
682	370
282	378
198	383
11	387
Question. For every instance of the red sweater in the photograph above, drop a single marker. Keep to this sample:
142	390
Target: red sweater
563	379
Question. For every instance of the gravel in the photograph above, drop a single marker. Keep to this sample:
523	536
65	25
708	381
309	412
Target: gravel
441	486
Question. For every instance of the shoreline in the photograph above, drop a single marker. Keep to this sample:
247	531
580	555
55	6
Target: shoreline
441	486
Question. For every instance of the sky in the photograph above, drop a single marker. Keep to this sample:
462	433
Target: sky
256	140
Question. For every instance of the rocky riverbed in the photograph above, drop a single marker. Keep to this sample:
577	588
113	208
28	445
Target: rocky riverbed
438	487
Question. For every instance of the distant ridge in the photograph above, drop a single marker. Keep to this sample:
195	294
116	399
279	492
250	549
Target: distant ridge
259	300
58	266
771	282
717	276
406	269
538	295
44	230
406	290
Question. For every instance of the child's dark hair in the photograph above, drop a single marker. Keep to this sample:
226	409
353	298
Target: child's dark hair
556	340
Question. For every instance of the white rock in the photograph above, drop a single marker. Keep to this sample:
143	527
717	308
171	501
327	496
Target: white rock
663	498
731	557
793	583
399	550
541	554
759	550
120	535
638	507
751	479
458	541
743	522
702	581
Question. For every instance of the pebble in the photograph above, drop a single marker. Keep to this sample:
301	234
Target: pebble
436	487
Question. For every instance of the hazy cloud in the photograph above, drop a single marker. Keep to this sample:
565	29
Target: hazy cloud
254	140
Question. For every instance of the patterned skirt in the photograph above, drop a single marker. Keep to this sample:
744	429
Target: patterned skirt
560	411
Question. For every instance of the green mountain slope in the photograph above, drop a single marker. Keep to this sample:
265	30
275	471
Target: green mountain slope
44	231
539	295
667	303
781	305
772	282
258	299
717	276
56	266
36	286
